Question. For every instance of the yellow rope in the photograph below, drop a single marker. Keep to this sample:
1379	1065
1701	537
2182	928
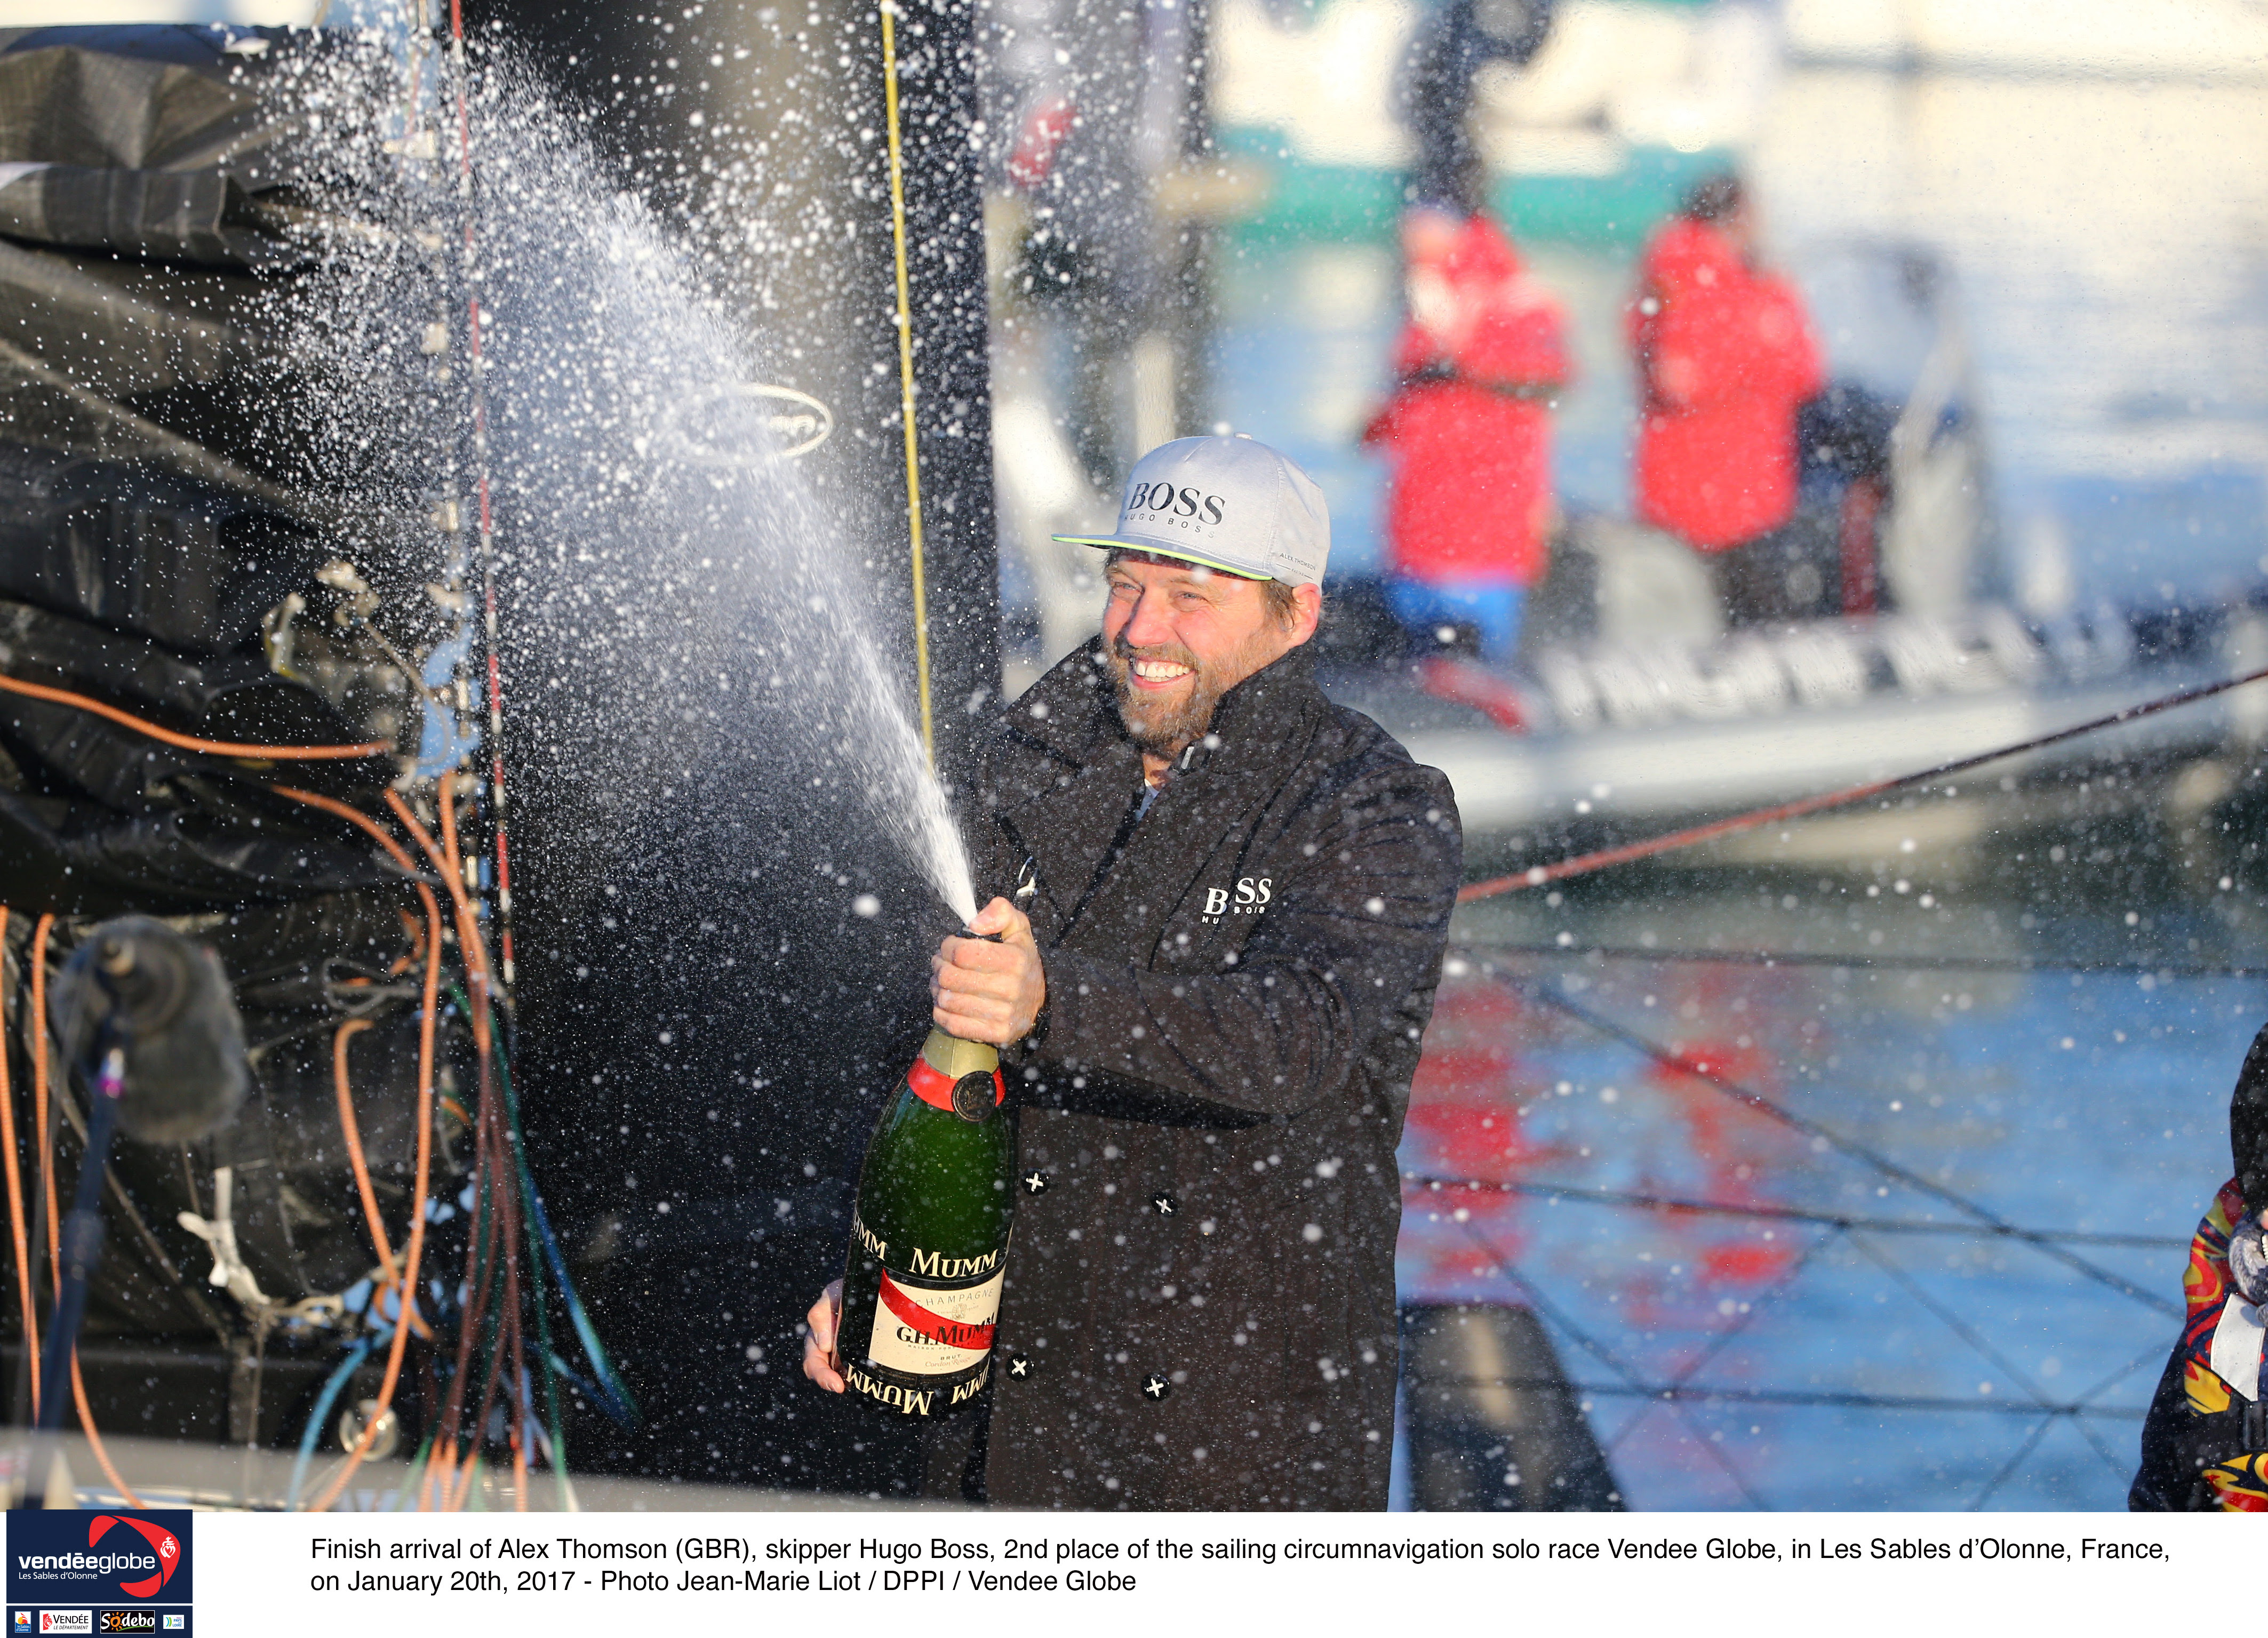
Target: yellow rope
906	376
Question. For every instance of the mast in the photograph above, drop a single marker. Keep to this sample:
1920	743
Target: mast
780	119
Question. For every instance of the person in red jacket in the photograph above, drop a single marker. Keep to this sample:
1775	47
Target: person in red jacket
1724	358
1467	431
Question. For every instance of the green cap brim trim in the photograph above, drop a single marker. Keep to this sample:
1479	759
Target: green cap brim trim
1148	550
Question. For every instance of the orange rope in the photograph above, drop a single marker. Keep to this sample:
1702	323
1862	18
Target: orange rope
208	747
468	927
457	1485
37	1039
477	954
94	1439
16	1187
449	849
415	1250
455	1501
484	1251
505	1236
47	925
346	1032
352	1129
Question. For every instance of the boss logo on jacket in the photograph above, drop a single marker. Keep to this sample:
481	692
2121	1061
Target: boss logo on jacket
1250	899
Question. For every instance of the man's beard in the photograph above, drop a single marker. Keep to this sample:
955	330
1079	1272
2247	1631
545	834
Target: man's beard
1165	727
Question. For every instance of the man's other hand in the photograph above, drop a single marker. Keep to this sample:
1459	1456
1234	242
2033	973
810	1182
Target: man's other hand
818	1340
988	992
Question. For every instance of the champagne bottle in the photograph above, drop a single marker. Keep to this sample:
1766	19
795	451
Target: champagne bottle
928	1236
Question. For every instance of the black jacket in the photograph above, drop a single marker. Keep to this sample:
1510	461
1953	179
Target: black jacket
1201	1289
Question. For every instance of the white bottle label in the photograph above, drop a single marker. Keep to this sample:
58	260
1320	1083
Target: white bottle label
927	1331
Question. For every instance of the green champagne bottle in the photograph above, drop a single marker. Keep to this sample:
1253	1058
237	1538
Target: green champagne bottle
928	1236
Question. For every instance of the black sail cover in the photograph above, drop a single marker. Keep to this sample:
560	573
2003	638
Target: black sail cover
160	558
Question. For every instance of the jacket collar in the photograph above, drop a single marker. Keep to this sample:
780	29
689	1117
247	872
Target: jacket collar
1072	713
1068	823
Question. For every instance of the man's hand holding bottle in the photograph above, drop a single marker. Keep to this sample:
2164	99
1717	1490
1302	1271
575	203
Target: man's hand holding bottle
988	988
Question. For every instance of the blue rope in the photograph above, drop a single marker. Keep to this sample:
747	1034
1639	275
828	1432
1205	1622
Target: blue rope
324	1401
612	1396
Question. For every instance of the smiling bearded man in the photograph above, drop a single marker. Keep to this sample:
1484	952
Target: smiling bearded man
1225	900
1160	717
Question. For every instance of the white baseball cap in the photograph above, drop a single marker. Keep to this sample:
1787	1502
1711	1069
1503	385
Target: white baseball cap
1230	503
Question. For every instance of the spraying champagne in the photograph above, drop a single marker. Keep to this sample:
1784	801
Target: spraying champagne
928	1236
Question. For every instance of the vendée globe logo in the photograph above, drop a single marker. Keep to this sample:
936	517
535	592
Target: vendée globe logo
164	1558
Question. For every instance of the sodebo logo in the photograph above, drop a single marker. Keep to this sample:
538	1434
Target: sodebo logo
1250	896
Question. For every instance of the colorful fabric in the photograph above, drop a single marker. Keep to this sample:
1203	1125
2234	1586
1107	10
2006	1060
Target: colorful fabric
1726	356
2206	1288
1467	435
2239	1485
2201	1441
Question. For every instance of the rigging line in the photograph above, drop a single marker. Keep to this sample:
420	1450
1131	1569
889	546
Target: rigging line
49	1116
472	950
477	405
1952	1322
474	1287
553	1440
2121	1374
1719	1340
1554	1314
1752	1311
351	1128
412	1472
1812	1400
122	1202
1976	1339
1913	963
43	1119
312	1434
493	1245
2008	1470
2119	1469
1700	1071
380	1242
612	1398
905	321
19	1237
426	1018
514	1356
1786	1214
1582	864
554	1437
2103	1386
187	742
499	1319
